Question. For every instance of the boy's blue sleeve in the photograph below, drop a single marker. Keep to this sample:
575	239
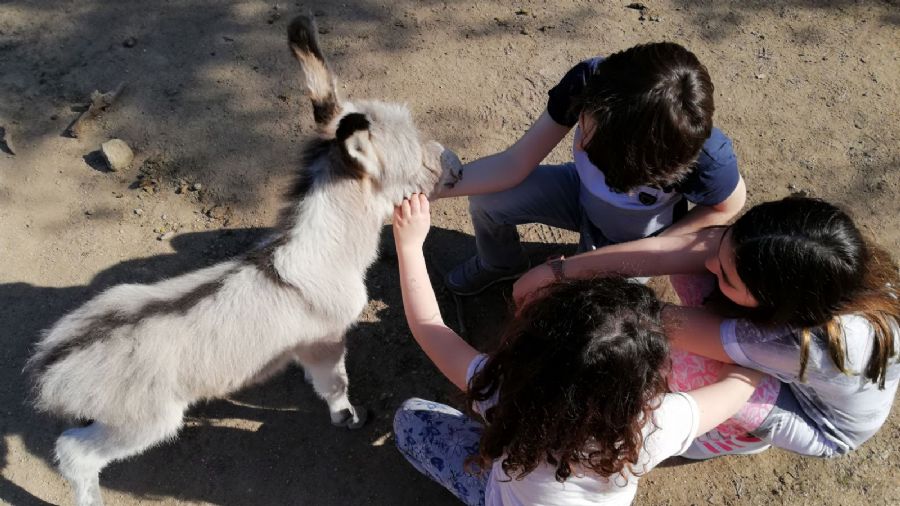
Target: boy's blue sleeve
572	84
716	173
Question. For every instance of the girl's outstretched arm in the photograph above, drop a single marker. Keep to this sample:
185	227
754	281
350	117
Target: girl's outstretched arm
721	400
651	256
697	331
449	352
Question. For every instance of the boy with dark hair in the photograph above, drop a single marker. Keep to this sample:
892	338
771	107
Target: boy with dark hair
644	147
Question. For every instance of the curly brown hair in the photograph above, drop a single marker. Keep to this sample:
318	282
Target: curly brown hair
577	375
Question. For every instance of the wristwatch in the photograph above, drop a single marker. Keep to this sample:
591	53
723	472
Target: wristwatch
556	266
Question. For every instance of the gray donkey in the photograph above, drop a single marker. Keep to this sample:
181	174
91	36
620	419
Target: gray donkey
132	359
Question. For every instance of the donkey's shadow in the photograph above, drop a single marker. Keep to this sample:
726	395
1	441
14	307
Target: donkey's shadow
271	443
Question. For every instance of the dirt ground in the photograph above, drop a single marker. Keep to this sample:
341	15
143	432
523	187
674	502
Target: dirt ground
808	90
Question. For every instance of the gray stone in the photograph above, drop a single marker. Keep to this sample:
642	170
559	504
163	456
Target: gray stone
117	154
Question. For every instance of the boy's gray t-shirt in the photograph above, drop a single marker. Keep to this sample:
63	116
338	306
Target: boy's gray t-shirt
847	409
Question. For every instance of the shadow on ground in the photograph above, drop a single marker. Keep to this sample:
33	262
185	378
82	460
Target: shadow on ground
272	441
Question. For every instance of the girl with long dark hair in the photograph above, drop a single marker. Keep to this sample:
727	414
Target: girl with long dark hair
574	401
797	293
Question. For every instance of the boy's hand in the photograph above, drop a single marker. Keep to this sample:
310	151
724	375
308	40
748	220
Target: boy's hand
412	219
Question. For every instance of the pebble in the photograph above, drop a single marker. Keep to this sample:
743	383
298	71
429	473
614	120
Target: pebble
219	212
760	76
138	212
196	187
166	236
117	154
129	42
89	212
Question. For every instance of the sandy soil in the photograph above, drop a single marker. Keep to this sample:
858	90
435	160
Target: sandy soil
808	90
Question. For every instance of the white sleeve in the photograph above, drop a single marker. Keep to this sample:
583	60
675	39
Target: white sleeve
675	426
474	366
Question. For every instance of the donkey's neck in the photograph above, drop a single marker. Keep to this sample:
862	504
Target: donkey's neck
335	232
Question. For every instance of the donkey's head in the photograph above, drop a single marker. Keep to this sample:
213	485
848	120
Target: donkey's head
371	141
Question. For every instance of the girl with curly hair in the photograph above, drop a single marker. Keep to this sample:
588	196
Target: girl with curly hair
573	404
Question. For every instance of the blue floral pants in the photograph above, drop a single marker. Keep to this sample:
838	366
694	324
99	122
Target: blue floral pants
436	439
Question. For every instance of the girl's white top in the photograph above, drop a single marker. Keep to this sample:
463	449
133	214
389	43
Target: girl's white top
672	430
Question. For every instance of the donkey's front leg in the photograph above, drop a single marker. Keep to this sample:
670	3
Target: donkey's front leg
324	365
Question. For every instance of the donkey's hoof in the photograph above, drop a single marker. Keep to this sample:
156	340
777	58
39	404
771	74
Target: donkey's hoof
351	419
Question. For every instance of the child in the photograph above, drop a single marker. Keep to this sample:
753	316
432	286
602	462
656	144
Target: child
644	147
810	302
574	399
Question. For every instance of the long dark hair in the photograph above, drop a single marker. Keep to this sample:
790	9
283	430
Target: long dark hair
578	374
806	262
653	108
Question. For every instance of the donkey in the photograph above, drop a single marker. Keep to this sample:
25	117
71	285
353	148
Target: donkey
132	359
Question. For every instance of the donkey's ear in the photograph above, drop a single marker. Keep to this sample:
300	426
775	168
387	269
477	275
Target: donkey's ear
318	80
355	142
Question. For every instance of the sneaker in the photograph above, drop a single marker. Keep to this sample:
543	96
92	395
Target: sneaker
472	277
711	445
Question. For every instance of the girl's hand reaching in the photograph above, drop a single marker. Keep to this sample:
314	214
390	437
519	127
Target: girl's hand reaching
449	352
412	219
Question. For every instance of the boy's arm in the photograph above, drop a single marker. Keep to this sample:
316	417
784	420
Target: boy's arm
510	167
449	352
705	216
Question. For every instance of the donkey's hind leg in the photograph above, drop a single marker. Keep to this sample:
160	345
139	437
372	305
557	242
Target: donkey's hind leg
83	452
324	366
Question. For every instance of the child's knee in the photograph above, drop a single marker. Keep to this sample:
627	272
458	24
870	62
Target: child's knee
479	204
405	418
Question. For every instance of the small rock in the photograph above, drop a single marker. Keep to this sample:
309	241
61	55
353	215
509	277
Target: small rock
89	212
129	42
196	187
164	217
138	212
219	212
636	6
760	76
523	31
166	236
117	154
